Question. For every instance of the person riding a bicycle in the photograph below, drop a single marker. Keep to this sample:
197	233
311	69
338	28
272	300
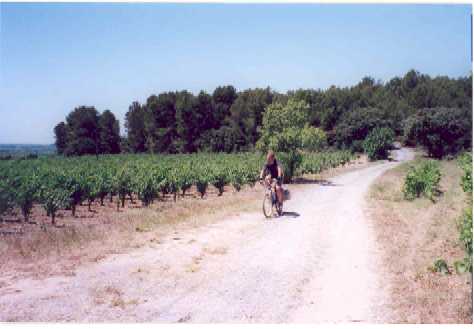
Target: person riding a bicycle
273	172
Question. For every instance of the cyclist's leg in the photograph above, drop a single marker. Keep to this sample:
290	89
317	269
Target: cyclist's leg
274	191
279	192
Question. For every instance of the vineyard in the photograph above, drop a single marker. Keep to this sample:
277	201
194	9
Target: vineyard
58	183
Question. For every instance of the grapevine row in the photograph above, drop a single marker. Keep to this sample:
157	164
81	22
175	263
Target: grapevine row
64	183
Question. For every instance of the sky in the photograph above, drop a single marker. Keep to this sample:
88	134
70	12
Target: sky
55	57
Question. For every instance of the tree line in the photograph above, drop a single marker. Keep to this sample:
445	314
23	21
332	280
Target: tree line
229	120
86	131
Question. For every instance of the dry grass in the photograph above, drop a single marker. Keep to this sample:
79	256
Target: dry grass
55	250
112	296
412	236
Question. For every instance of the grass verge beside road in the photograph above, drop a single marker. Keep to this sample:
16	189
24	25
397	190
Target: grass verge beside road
411	236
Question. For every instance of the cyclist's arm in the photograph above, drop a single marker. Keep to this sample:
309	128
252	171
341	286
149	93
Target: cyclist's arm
280	172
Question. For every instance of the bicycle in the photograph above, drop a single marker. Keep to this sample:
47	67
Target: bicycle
271	205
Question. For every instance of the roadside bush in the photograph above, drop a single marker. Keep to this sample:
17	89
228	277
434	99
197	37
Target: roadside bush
378	143
465	227
465	162
442	131
355	125
422	180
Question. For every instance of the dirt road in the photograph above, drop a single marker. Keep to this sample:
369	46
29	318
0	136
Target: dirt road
317	263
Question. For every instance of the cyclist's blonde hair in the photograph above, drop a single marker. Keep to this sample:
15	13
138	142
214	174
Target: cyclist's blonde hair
270	155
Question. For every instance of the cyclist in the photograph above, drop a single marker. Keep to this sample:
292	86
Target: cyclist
273	171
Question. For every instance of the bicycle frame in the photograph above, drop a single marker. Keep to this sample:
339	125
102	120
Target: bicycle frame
270	193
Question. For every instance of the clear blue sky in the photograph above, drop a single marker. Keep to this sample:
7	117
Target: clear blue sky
54	57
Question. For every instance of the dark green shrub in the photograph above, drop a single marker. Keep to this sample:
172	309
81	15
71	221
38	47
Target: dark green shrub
219	180
201	186
442	131
422	179
74	183
224	139
441	266
465	227
53	198
25	192
378	143
465	162
355	125
146	189
122	184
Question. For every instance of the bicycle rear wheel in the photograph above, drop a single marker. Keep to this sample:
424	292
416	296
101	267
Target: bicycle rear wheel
267	206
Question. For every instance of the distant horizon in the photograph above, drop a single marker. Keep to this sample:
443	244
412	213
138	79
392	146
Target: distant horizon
56	57
25	144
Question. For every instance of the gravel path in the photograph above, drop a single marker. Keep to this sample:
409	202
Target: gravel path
317	263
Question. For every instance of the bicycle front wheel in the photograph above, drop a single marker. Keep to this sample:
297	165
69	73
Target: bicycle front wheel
267	206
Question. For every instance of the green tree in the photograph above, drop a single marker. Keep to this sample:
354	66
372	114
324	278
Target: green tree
83	131
313	139
335	103
224	139
186	122
135	127
205	112
442	131
160	122
223	97
410	81
60	133
394	86
281	132
246	115
109	133
355	125
315	99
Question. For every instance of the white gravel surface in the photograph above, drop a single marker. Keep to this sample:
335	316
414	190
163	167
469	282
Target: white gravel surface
317	263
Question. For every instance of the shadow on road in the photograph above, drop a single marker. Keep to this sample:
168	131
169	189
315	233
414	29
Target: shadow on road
322	182
290	214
